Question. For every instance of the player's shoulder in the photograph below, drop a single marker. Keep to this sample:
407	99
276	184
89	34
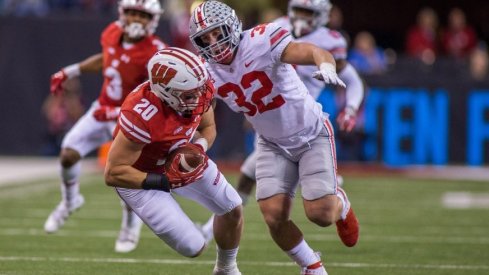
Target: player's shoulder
141	94
156	42
283	22
329	36
266	35
112	33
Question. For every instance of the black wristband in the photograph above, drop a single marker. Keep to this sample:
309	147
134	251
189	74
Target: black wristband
157	182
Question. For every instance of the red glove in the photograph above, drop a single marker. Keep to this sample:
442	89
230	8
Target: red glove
347	119
106	113
179	178
57	81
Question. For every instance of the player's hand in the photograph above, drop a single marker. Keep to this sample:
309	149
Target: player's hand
347	119
179	178
106	113
327	73
57	81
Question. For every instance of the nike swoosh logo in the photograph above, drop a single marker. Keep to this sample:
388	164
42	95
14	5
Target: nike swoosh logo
248	64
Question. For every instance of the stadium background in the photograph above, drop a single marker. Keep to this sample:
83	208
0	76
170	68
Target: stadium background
452	129
425	220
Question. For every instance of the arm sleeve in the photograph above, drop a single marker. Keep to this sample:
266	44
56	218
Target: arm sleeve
354	86
279	39
133	128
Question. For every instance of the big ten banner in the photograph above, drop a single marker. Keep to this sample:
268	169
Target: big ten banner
406	126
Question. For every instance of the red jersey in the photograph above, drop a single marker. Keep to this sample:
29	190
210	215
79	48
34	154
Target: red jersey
145	118
124	66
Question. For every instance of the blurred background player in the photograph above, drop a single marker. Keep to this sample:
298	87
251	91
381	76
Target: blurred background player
169	111
252	74
306	21
127	45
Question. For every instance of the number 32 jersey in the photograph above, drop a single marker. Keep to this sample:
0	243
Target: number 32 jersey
269	93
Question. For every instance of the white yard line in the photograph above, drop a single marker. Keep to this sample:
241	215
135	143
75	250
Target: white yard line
19	170
465	200
250	263
17	231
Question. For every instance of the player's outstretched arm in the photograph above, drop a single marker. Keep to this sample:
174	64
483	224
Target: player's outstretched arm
93	63
301	53
354	95
123	154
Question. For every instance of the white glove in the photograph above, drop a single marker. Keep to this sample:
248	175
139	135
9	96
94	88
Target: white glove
327	73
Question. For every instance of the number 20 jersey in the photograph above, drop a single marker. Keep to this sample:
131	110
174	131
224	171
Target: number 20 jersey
270	93
146	119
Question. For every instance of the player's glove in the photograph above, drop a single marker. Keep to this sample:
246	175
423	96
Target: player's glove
327	73
176	176
106	113
347	119
57	79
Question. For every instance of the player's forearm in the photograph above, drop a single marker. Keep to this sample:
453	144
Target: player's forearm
124	176
321	56
354	86
92	64
208	133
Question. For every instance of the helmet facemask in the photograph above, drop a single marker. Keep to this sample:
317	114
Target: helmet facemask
308	15
208	17
136	30
221	49
191	102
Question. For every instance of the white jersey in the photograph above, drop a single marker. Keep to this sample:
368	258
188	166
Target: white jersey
269	92
323	38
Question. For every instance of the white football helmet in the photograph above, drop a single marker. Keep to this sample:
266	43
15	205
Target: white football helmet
302	26
136	30
211	15
179	78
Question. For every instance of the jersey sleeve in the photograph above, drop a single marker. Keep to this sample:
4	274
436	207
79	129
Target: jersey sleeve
279	39
337	44
158	43
133	127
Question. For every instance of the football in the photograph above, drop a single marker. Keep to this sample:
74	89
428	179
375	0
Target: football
190	158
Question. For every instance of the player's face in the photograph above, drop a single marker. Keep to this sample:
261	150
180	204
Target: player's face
302	21
303	14
137	16
220	51
192	102
135	24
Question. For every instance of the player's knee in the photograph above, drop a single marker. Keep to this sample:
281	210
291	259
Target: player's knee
68	157
234	217
322	218
274	222
191	249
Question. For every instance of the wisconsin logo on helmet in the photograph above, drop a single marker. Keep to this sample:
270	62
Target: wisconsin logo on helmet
162	74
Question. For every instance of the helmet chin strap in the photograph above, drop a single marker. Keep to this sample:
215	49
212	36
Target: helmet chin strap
135	30
301	27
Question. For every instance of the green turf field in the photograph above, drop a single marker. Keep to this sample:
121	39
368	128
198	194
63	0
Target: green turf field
404	230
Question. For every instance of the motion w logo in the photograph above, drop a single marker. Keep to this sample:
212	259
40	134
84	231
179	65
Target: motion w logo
162	74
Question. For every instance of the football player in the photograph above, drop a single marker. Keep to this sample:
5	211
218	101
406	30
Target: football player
306	21
169	111
127	45
252	73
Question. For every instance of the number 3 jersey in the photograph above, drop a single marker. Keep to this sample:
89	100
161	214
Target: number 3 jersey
145	118
270	93
124	65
